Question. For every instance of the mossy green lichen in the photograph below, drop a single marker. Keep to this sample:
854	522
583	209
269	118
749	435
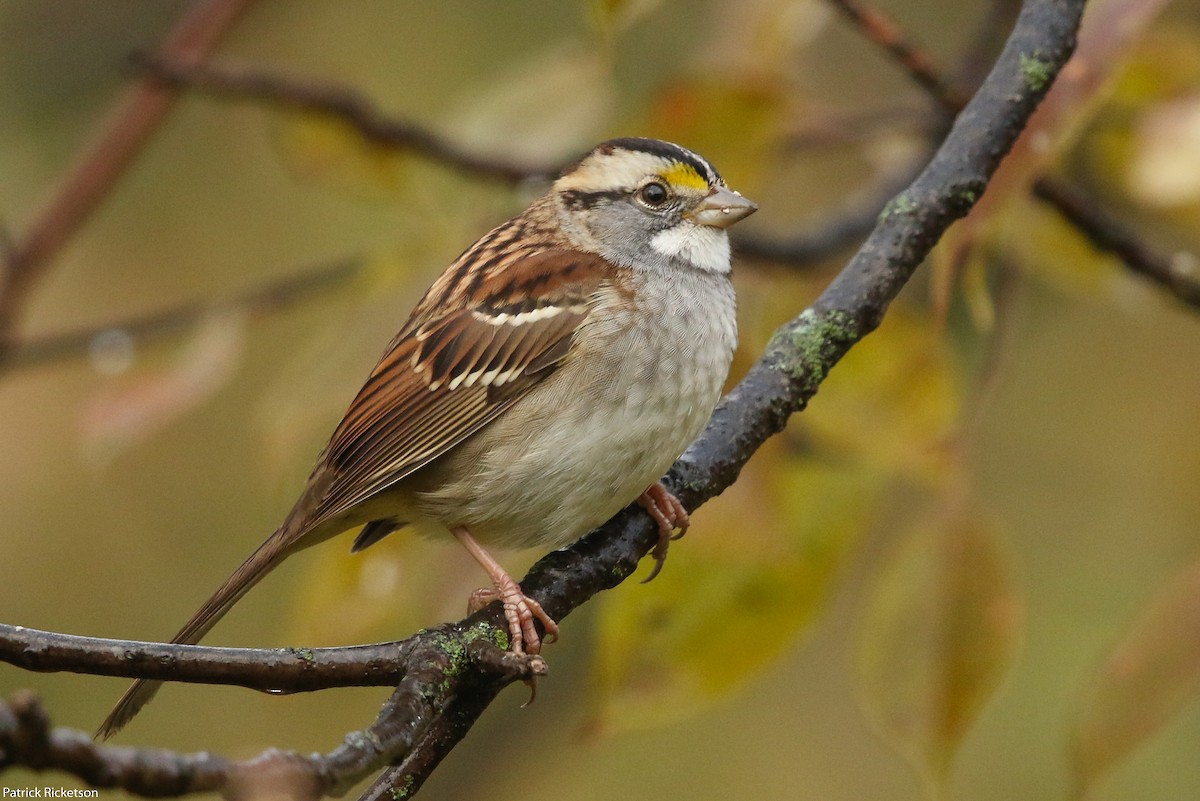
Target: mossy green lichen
304	654
485	631
620	572
1036	72
403	790
803	349
363	741
900	204
455	649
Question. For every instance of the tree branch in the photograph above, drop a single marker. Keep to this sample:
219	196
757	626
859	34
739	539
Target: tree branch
1178	274
842	229
241	82
267	669
803	351
916	61
127	129
417	706
449	682
262	300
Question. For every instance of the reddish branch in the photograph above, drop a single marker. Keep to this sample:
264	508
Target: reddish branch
916	61
125	131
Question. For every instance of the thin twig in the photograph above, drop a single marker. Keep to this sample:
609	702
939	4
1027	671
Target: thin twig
263	300
1178	274
125	131
244	83
233	82
278	670
915	60
854	127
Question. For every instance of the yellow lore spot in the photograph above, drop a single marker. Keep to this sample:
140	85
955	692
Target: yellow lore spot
680	174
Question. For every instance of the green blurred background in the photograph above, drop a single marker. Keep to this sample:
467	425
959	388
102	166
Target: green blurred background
132	482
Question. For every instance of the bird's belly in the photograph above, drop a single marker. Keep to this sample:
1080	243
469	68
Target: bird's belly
551	468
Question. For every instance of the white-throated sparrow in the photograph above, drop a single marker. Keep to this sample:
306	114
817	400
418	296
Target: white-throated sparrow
550	376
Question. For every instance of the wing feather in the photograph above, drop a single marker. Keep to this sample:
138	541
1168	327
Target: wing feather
446	377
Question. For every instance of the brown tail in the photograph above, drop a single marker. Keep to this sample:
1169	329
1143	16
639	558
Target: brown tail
262	561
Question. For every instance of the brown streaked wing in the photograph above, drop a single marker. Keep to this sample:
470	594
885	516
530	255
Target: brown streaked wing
448	377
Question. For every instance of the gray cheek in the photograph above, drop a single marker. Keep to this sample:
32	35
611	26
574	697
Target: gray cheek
623	233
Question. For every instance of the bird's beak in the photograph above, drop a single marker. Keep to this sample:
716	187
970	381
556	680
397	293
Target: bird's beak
721	208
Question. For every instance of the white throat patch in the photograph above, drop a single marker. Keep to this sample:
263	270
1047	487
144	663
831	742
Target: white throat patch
703	247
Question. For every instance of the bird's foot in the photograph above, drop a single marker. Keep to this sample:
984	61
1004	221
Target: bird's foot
669	513
519	609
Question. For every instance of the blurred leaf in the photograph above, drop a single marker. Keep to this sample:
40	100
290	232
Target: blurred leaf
613	16
735	594
1047	246
323	149
1148	676
1165	168
311	388
1164	68
958	263
762	39
732	122
1111	32
939	631
548	106
893	401
390	590
137	405
345	597
977	293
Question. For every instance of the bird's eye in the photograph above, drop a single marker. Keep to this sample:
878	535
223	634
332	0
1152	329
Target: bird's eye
653	194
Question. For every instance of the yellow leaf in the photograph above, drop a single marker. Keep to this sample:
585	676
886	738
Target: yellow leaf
731	122
325	150
1146	679
958	262
939	631
739	590
391	589
1049	247
613	16
1165	169
893	401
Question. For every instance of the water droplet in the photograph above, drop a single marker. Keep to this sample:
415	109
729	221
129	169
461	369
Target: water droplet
112	352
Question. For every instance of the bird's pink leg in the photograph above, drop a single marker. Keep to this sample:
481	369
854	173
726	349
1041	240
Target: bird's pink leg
519	609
